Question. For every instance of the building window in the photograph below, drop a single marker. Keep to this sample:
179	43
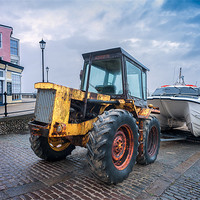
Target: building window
1	73
16	87
9	88
14	47
14	61
0	40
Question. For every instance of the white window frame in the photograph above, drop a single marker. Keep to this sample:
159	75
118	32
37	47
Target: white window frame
20	96
16	40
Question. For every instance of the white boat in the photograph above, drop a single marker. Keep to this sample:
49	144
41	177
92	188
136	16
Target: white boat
178	104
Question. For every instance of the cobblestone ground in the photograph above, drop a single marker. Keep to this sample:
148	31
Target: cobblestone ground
186	187
174	175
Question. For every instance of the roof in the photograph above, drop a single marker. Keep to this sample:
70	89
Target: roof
1	25
11	64
113	51
13	38
6	26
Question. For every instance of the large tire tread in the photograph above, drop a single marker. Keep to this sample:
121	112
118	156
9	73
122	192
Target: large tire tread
145	159
98	139
41	148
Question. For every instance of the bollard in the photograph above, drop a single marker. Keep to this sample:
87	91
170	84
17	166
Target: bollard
5	103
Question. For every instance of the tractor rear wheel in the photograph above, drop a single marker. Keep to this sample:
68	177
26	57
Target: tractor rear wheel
151	142
112	146
51	149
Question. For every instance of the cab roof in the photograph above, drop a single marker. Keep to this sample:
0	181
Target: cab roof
113	51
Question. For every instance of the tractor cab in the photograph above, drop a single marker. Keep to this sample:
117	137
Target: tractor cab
116	73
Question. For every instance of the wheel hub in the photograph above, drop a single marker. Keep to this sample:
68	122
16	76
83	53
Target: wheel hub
58	144
119	145
152	141
122	147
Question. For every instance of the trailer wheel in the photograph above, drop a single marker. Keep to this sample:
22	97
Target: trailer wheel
151	142
112	146
51	149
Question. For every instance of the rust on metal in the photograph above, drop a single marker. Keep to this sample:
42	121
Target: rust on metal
60	126
152	141
141	138
80	140
122	147
61	110
155	111
58	144
144	113
38	130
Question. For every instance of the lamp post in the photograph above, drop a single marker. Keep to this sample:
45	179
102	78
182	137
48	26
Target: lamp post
47	69
42	46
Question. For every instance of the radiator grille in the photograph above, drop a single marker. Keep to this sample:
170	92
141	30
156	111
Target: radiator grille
44	105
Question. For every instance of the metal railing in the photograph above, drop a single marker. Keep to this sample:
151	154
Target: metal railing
25	95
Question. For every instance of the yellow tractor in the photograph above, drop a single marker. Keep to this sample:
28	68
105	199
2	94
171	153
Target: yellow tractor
108	115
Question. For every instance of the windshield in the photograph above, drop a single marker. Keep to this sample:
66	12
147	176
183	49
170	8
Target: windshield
189	91
178	91
166	91
105	77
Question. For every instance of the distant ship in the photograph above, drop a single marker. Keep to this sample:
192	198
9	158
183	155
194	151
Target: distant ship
178	104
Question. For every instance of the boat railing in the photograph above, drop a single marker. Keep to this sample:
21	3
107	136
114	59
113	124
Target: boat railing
178	95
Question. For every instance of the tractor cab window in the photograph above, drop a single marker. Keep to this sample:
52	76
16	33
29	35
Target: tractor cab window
144	84
134	80
105	77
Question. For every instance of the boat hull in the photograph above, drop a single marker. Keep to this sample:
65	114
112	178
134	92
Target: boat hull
176	111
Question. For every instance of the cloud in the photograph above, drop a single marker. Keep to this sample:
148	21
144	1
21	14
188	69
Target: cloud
161	34
165	46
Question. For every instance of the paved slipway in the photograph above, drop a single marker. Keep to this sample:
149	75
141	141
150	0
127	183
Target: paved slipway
174	175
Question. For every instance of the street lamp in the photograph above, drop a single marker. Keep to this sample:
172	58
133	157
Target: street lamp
42	46
47	69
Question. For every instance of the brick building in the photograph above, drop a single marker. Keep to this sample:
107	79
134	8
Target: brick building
10	69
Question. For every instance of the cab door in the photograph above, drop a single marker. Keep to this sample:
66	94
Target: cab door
136	81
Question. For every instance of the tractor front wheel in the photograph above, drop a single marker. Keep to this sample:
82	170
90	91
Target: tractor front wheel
51	149
112	146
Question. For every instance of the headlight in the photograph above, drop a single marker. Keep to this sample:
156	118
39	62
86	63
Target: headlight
59	129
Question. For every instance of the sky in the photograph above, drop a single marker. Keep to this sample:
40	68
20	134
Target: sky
164	35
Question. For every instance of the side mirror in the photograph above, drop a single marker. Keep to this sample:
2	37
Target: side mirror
81	74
